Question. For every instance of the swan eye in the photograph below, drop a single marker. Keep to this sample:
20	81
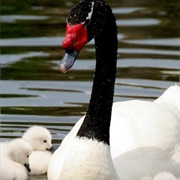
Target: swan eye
27	156
45	141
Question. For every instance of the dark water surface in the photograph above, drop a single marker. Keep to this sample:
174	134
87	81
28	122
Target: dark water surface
34	92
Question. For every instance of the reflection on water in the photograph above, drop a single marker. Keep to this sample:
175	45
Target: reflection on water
14	18
143	51
39	42
7	59
33	91
44	93
127	10
138	22
156	42
148	51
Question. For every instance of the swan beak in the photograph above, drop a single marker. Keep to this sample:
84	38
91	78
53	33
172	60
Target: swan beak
68	61
27	167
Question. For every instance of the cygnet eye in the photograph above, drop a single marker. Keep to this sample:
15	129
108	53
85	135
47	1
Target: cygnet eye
45	141
27	156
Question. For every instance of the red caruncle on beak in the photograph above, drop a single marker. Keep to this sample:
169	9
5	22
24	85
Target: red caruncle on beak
76	37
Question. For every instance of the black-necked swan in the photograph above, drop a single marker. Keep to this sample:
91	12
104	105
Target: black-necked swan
40	138
14	159
142	135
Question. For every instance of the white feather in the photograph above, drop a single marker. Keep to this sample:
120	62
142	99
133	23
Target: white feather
164	176
13	156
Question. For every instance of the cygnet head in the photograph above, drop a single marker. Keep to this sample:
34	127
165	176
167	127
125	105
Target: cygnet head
19	151
39	137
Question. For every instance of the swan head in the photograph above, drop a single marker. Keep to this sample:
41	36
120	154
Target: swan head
84	23
19	151
39	137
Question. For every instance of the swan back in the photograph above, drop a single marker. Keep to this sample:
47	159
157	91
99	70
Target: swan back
171	97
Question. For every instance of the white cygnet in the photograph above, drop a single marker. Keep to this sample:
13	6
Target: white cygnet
14	159
40	139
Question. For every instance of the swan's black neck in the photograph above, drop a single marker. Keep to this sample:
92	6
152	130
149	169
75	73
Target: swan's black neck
97	120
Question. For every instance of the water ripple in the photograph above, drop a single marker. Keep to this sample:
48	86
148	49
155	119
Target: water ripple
36	42
14	18
12	58
138	22
157	42
126	10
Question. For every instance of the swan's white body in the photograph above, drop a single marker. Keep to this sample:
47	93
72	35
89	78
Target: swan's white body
40	139
144	123
143	137
14	155
90	154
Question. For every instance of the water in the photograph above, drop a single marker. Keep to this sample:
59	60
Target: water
34	92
